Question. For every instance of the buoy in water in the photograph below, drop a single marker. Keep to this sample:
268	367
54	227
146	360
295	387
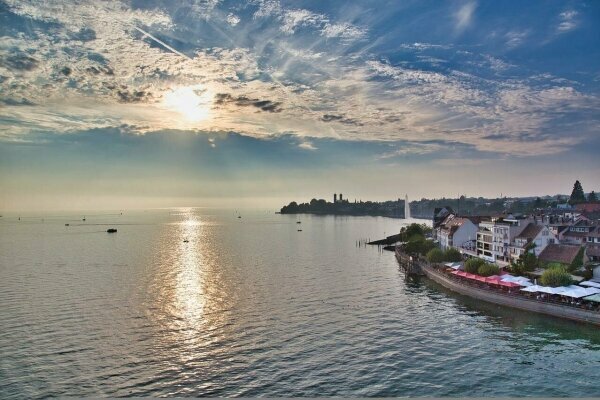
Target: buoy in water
111	230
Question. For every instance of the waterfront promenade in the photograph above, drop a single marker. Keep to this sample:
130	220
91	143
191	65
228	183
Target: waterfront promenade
515	298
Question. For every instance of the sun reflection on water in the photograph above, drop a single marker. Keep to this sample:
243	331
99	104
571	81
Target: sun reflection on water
189	291
189	295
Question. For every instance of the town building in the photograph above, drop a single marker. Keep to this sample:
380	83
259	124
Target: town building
579	232
559	253
458	232
538	235
495	236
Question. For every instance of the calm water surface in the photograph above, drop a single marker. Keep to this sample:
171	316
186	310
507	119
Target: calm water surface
253	307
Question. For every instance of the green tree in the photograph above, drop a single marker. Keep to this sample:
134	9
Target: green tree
577	195
556	275
526	262
452	255
487	269
577	261
407	232
592	198
435	255
417	244
472	265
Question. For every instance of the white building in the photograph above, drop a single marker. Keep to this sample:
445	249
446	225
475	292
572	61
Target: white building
458	232
540	235
494	238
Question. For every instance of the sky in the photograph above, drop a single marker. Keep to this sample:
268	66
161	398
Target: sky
139	104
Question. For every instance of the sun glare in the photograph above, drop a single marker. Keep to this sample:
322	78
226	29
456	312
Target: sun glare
192	102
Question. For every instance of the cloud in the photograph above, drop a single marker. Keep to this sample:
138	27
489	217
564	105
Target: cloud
133	96
282	70
341	119
568	21
19	62
343	30
306	145
515	38
464	15
233	19
244	101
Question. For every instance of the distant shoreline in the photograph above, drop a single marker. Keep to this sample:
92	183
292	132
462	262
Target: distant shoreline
352	214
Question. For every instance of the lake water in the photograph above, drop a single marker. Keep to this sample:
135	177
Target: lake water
250	306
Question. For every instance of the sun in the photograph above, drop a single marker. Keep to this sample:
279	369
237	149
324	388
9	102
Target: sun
192	102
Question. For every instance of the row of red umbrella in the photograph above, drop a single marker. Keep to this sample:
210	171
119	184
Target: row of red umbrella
494	280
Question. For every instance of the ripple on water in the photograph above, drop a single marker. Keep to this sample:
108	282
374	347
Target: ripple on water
250	308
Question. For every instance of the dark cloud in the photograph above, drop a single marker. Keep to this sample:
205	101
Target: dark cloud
341	119
84	34
244	101
133	96
96	57
16	102
497	136
97	70
19	61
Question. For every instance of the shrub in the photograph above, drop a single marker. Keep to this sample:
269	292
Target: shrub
488	269
472	265
452	255
435	255
556	275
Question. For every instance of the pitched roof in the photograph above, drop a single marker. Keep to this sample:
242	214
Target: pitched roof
589	207
452	223
593	251
530	231
561	253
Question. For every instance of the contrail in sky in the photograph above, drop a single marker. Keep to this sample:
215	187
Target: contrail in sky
157	40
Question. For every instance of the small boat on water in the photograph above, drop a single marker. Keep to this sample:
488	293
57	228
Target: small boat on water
239	216
298	222
185	241
111	230
66	224
299	230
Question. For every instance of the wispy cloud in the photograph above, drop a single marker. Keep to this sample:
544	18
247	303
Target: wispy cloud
568	21
270	69
464	16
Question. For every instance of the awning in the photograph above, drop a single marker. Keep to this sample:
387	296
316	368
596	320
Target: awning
454	265
570	292
518	279
549	290
531	289
592	290
595	298
509	284
495	280
590	283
